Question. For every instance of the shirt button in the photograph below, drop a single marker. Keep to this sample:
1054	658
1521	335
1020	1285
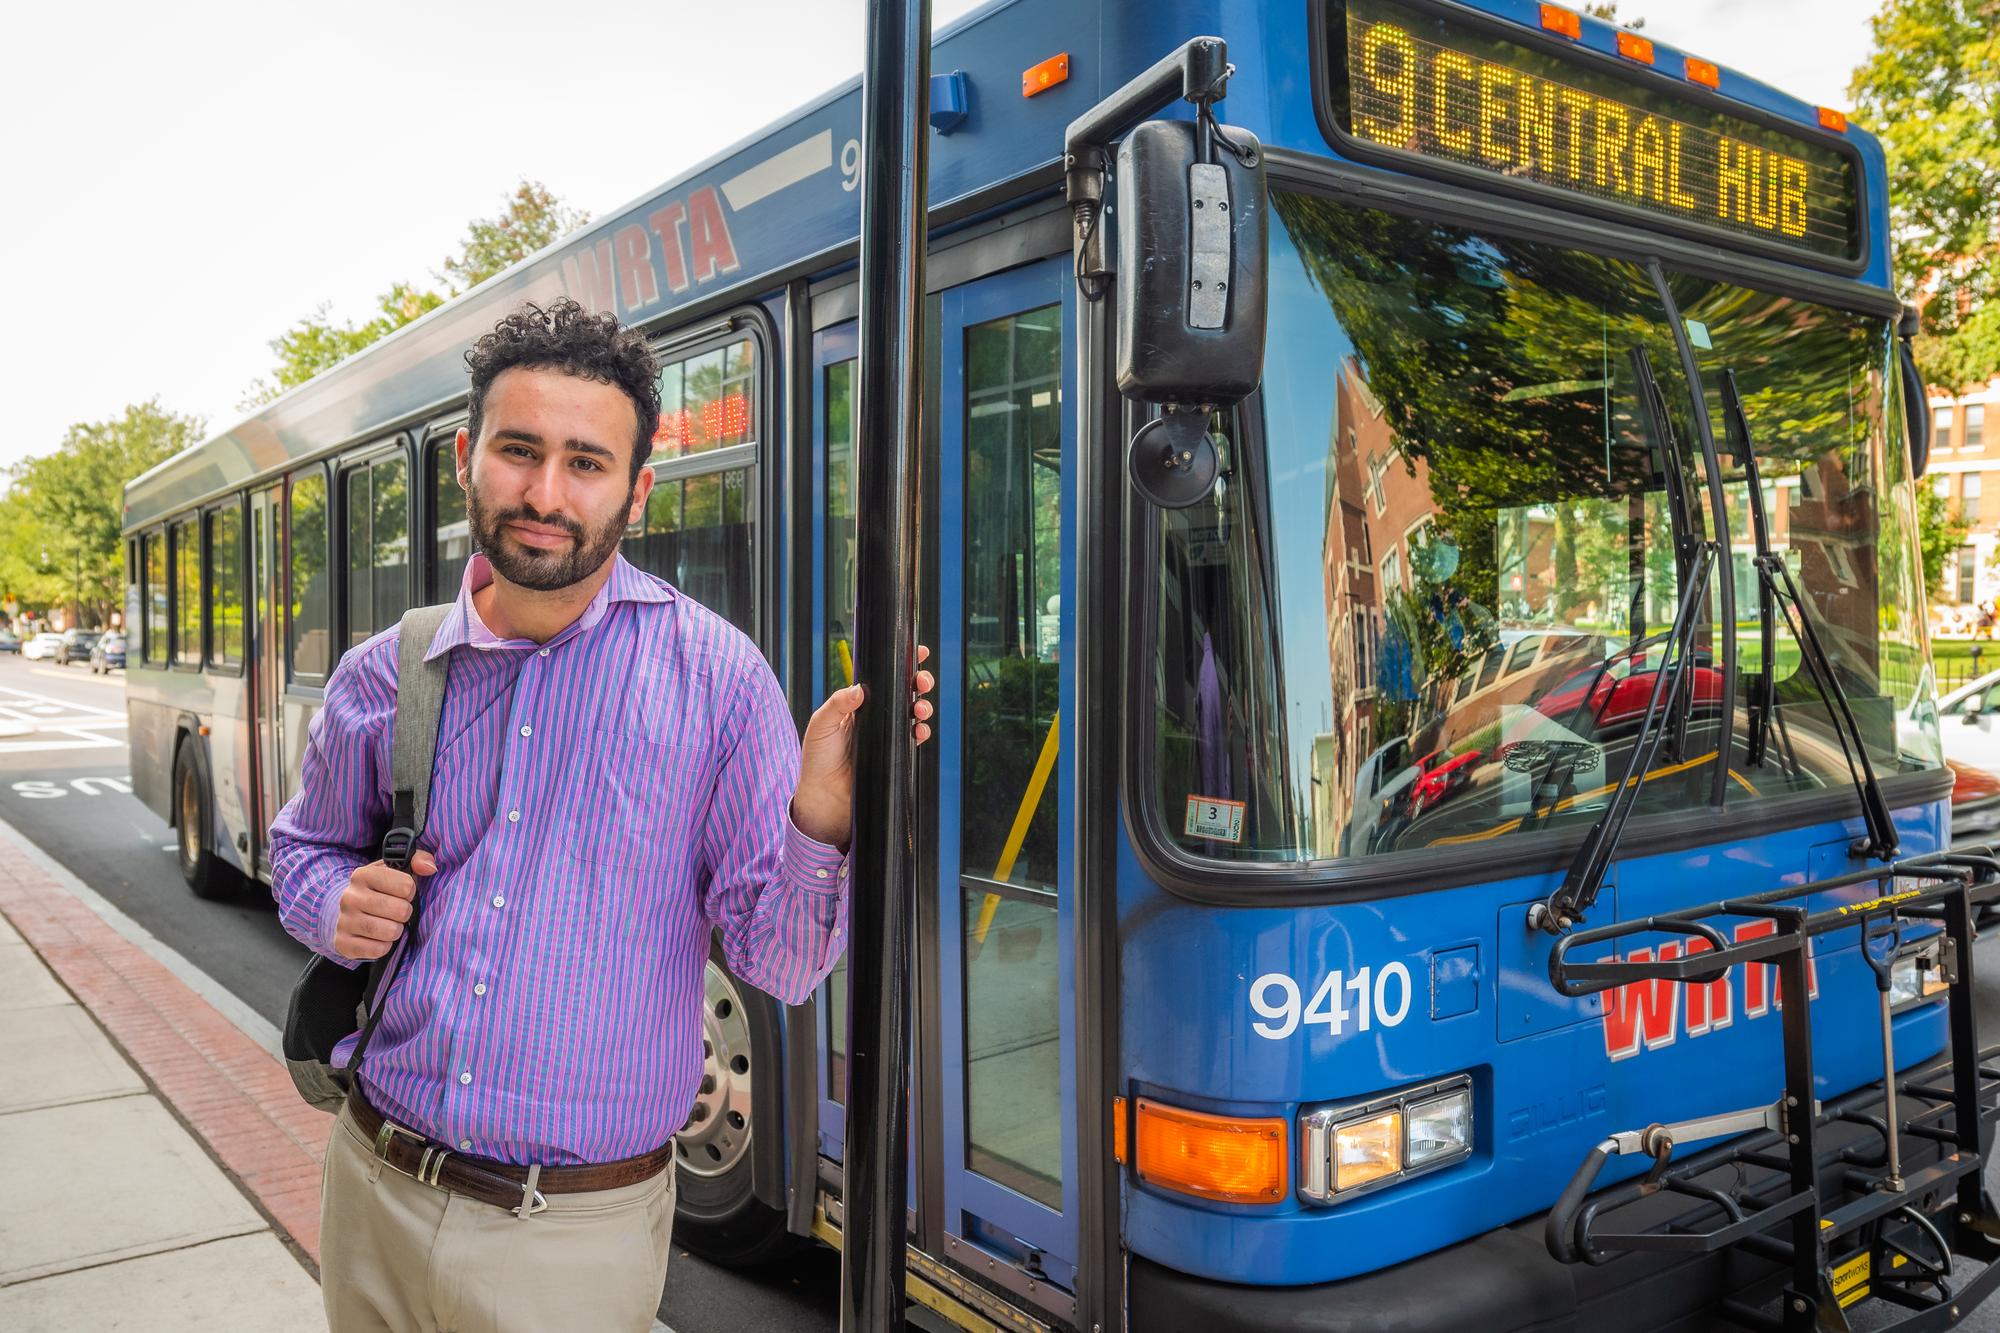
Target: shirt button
821	872
464	1144
527	731
499	901
479	989
513	816
543	653
466	1077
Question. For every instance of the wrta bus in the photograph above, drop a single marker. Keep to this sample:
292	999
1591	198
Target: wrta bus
1445	829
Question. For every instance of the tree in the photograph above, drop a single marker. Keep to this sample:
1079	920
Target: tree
1608	11
1939	530
62	512
532	219
1931	90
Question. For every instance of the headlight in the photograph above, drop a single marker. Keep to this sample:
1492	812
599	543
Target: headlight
1917	976
1352	1149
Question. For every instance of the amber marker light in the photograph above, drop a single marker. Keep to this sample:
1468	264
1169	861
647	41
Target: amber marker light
1226	1158
1040	78
1567	22
1703	72
1634	47
1121	1132
1829	119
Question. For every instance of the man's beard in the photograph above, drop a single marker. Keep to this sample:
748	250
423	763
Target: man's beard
529	566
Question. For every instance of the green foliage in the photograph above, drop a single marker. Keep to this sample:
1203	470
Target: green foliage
1931	90
1940	531
61	514
1608	11
532	219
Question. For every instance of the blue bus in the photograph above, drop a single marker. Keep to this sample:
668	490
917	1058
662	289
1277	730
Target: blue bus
1459	847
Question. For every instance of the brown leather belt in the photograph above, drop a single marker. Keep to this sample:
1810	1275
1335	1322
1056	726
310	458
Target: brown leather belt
499	1183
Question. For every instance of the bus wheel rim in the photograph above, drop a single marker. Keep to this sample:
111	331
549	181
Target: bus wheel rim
190	818
717	1134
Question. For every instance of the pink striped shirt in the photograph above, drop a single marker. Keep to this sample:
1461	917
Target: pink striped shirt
599	802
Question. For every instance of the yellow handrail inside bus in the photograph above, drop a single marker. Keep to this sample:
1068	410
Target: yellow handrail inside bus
1031	799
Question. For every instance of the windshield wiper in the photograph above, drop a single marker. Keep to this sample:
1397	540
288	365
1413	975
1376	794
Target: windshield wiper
1694	561
1573	897
1777	590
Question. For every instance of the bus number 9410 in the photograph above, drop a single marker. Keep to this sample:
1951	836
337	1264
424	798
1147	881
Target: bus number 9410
1365	999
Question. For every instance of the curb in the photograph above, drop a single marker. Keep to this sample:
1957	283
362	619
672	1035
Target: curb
231	1092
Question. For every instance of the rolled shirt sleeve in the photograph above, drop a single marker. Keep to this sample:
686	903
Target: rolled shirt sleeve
333	822
778	897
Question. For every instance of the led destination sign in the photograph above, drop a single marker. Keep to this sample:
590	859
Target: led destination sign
1420	83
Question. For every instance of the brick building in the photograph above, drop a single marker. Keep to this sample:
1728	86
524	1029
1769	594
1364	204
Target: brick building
1964	452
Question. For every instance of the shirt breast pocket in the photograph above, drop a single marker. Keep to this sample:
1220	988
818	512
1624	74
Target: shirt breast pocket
638	804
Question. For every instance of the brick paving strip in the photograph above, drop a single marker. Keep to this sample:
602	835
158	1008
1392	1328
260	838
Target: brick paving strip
231	1093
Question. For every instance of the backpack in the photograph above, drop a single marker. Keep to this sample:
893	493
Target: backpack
330	1001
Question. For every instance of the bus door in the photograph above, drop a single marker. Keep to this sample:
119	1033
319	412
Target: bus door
267	661
1004	573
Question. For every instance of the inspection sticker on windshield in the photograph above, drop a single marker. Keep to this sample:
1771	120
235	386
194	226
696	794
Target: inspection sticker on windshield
1214	817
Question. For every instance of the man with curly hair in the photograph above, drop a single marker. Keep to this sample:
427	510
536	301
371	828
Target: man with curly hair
617	780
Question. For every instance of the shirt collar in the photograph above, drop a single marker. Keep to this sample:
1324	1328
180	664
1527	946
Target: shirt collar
464	628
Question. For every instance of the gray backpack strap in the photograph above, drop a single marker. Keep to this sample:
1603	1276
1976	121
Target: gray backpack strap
419	706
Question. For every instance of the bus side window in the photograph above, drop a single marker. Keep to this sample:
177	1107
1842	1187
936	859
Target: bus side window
225	586
153	598
305	525
186	596
451	537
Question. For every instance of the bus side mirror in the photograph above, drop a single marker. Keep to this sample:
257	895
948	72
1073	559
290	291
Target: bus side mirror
1192	210
1916	402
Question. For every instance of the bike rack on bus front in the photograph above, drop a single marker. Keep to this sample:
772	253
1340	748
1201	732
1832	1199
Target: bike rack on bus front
1860	1203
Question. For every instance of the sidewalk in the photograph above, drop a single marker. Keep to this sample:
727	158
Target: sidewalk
162	1174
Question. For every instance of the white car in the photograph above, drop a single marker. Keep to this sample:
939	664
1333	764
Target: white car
1969	723
42	647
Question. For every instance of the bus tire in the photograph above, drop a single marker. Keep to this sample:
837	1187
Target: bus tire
194	818
717	1214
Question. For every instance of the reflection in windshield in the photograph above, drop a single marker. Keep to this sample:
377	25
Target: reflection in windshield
1429	600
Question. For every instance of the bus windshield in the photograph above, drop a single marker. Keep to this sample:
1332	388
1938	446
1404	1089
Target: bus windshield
1429	600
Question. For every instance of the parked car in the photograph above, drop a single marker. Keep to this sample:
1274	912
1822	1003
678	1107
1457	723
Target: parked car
76	645
10	642
41	647
1969	723
108	652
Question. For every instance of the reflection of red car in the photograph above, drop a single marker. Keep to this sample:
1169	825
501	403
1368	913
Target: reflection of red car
1612	701
1439	775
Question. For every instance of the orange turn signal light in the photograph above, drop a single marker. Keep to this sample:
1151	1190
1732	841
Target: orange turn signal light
1565	21
1121	1132
1703	72
1634	47
1227	1158
1829	119
1040	78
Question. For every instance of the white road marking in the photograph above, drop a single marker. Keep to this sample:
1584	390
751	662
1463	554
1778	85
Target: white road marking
87	678
33	697
801	161
25	747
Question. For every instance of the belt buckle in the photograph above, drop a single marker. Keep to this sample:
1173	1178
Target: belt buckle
533	1207
428	1165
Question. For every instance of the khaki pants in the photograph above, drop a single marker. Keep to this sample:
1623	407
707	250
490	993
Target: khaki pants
401	1256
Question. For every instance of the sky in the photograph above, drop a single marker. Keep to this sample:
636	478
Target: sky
184	182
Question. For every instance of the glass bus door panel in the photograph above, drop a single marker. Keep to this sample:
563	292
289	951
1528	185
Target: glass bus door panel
835	529
267	664
834	351
1005	1016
